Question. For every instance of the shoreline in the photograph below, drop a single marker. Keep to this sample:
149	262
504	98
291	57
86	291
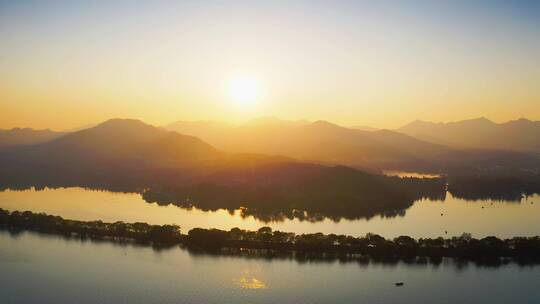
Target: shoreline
488	250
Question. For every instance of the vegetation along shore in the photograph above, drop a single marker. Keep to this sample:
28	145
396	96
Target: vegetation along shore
490	250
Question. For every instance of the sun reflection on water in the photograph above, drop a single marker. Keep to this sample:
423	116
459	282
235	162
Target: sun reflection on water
252	283
248	281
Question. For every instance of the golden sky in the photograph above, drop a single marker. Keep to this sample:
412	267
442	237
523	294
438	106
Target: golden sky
66	64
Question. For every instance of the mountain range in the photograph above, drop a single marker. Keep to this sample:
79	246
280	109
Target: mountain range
318	141
121	140
26	136
471	145
129	155
481	133
325	142
266	164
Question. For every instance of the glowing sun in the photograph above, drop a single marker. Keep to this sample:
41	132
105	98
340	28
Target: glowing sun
244	90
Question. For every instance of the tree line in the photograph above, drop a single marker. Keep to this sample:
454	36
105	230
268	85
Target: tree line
489	249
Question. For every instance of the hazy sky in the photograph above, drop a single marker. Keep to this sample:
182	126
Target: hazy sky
64	64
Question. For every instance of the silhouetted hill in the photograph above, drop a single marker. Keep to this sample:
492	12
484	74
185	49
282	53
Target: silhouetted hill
328	143
516	135
129	155
123	140
26	136
319	141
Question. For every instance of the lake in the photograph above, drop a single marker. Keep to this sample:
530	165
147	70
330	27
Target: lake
50	269
425	218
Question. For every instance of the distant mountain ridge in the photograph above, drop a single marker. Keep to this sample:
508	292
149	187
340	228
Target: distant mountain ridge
516	135
26	136
135	143
364	128
320	141
328	143
123	140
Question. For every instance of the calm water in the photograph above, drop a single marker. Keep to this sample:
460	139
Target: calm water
49	269
423	219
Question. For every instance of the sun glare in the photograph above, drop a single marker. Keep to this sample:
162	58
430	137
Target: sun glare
244	90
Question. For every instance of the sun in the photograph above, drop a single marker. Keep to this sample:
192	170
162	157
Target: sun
244	90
